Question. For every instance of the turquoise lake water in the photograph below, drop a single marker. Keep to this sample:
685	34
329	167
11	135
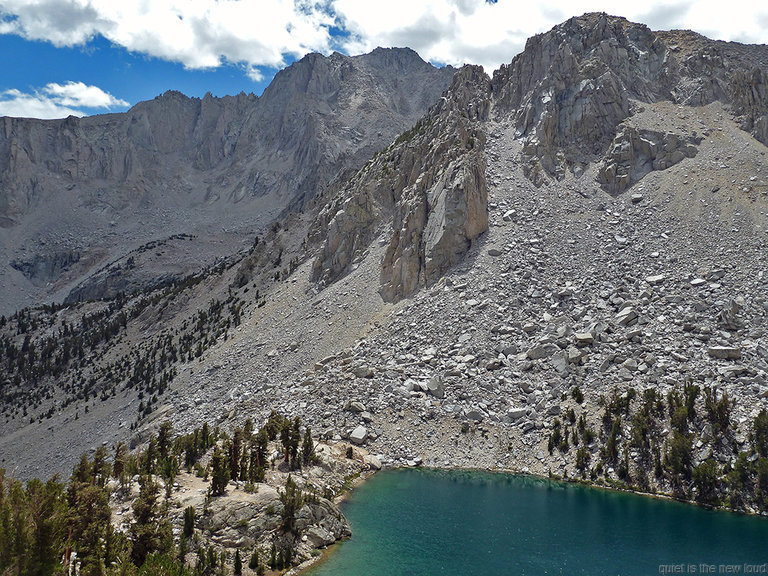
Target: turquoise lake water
431	522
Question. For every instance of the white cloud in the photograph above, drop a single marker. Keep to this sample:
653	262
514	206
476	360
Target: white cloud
57	101
493	33
79	94
261	33
197	33
254	74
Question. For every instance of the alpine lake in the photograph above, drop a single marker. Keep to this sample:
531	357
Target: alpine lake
414	522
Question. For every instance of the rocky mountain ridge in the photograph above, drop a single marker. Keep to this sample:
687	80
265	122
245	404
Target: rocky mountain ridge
77	195
430	183
568	94
571	87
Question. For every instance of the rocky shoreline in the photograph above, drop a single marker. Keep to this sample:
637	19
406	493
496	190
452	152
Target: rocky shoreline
305	567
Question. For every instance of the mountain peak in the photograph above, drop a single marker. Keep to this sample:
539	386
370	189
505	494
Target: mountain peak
571	86
230	160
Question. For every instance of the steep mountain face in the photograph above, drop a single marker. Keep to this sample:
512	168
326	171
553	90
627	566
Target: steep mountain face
430	184
215	169
571	88
568	96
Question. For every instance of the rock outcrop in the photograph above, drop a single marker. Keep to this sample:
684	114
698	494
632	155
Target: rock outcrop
570	96
251	517
322	523
571	87
750	99
634	153
425	196
43	268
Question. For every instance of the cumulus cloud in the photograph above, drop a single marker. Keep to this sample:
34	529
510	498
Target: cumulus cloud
58	101
492	33
253	33
80	94
196	33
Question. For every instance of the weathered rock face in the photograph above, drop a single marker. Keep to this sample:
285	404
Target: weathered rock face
570	97
634	153
322	523
430	184
173	165
750	98
435	227
44	268
572	86
239	520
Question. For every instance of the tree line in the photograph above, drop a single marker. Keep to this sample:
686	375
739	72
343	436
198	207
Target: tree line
50	527
648	440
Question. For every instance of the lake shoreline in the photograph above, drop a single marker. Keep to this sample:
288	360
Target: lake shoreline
305	567
417	517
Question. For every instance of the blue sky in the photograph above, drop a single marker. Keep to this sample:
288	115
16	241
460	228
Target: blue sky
62	57
132	76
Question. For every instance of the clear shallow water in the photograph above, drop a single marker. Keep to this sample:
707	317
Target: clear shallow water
431	522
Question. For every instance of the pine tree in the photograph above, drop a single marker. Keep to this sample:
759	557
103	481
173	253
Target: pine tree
235	450
47	517
189	521
274	425
119	467
18	527
205	437
261	443
280	562
292	500
5	524
285	439
149	532
238	568
219	473
295	440
150	458
253	563
164	439
88	518
248	431
244	467
90	522
101	468
307	448
705	478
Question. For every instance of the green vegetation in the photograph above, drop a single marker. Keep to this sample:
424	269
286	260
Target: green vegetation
47	352
45	527
292	499
649	443
189	521
238	565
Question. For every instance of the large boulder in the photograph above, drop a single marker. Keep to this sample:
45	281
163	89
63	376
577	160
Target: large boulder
323	523
359	435
634	153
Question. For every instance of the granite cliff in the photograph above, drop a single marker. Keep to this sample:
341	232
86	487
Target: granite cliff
83	194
